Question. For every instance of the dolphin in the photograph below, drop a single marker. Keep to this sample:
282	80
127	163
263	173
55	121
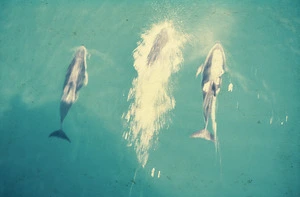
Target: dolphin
76	77
160	41
212	71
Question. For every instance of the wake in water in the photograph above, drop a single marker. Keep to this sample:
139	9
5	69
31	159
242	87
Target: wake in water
156	58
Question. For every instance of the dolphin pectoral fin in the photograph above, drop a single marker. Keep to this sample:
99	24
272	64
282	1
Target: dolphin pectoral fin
200	69
205	134
60	134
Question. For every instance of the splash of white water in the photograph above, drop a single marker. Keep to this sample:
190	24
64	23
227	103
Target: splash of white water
151	92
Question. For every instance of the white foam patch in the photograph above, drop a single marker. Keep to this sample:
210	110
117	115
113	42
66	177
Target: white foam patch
151	92
158	174
271	120
230	87
152	172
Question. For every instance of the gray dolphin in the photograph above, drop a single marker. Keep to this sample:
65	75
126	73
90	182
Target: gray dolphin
212	71
158	44
76	77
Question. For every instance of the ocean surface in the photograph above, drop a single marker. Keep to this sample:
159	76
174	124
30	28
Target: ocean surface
130	127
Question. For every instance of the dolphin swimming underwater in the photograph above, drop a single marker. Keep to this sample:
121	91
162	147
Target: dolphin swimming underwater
158	44
212	71
76	77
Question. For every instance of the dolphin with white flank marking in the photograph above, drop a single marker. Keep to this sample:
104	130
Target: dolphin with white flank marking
158	44
212	71
76	77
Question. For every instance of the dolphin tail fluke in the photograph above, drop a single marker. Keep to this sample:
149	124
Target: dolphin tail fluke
60	134
205	134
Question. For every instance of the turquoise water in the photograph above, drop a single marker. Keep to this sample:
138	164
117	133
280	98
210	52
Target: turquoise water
257	121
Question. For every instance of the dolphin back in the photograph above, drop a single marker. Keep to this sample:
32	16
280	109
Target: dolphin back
158	44
60	134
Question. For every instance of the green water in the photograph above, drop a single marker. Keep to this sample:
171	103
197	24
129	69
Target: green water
257	121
